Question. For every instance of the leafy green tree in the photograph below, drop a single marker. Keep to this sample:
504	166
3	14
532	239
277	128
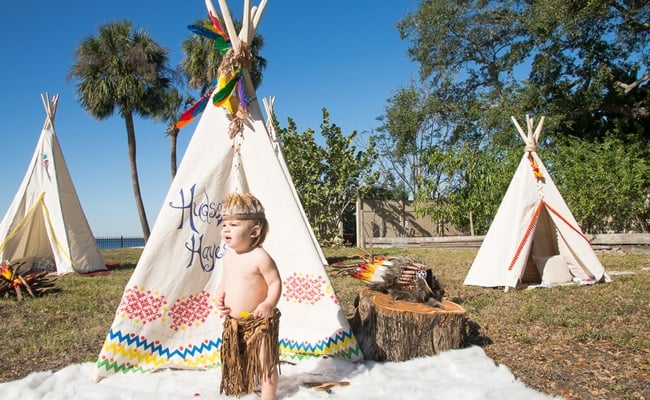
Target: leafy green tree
404	139
422	150
329	178
465	47
303	156
477	179
591	74
468	52
583	64
590	67
440	127
124	69
604	184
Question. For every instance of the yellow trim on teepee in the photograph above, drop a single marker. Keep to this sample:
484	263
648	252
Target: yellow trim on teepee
22	222
28	215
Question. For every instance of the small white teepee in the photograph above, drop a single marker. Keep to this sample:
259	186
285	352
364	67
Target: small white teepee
167	316
45	218
534	238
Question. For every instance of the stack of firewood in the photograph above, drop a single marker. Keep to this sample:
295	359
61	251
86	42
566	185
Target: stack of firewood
17	278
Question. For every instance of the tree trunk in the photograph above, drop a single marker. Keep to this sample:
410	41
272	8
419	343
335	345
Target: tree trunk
135	182
173	135
394	330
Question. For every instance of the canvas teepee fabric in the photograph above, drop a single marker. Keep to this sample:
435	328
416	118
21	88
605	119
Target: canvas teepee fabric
167	316
45	219
534	233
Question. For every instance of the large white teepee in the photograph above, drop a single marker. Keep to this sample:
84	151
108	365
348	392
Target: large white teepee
534	238
45	218
167	316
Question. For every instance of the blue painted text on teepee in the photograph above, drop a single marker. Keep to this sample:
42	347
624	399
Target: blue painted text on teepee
208	254
203	212
199	215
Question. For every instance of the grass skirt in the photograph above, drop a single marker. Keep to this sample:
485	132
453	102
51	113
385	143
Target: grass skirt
249	353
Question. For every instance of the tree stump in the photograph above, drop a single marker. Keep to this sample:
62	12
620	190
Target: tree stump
395	330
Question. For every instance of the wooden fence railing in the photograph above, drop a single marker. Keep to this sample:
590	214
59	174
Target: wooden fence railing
605	242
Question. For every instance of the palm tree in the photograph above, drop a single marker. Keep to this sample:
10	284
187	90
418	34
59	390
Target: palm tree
125	69
201	60
174	104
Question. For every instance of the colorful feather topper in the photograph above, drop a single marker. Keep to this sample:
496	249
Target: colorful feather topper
372	272
222	44
226	87
221	41
217	26
213	32
230	86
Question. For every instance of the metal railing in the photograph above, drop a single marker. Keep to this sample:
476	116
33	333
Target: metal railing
118	242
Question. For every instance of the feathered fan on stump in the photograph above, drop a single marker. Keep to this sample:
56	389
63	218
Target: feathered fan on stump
403	278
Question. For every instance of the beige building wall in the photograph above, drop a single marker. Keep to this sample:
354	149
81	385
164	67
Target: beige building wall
393	219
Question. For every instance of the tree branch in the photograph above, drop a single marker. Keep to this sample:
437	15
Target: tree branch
628	87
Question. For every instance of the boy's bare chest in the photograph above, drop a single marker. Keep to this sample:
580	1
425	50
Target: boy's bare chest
241	268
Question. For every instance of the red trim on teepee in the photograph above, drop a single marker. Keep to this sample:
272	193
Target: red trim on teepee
529	230
577	230
532	223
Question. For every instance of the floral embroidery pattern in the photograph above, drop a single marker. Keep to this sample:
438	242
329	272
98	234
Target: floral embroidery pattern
191	311
141	306
308	289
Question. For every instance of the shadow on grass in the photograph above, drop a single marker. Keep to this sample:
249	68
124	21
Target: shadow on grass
474	337
122	267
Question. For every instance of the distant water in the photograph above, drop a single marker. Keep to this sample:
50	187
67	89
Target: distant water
119	242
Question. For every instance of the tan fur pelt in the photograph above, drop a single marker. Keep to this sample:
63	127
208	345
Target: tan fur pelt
249	352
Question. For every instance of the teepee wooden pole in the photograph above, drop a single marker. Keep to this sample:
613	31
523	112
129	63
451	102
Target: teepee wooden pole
538	131
529	125
50	109
55	103
227	20
246	22
245	35
45	98
519	129
268	107
213	12
258	15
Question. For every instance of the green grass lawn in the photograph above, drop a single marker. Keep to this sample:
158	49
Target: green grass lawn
577	342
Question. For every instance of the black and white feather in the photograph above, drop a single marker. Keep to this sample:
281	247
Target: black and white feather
403	277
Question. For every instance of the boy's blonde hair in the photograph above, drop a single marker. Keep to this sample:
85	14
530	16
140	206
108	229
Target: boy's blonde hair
246	207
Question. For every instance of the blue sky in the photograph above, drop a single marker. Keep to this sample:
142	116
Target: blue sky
343	55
